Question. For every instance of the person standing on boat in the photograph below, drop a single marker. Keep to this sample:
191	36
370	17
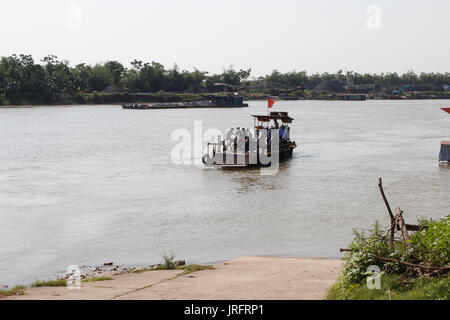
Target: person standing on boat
229	138
229	133
248	133
287	133
238	140
282	131
276	124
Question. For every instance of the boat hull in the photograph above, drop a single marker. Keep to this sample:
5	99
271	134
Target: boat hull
245	160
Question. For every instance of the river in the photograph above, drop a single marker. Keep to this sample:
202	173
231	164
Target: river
84	185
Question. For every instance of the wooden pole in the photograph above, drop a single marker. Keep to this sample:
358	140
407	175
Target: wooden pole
380	185
402	224
392	230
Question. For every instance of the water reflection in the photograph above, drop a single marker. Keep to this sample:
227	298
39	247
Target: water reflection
252	179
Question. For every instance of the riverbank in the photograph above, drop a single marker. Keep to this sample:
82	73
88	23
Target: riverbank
164	97
119	104
243	278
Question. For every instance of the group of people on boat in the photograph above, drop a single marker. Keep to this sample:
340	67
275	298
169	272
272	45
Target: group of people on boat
235	136
283	130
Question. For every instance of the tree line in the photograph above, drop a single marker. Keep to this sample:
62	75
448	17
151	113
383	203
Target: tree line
22	80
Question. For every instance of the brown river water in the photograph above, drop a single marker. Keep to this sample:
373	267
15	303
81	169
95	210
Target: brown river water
83	185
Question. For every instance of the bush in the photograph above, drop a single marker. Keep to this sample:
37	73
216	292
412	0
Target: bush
16	291
169	261
432	244
428	247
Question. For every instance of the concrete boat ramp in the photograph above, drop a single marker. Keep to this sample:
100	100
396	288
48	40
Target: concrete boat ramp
244	278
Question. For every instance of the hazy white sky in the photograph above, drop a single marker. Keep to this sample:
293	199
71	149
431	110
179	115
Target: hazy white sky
317	36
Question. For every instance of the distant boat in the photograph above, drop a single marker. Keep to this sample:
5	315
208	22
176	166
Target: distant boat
446	110
136	106
210	102
394	96
348	96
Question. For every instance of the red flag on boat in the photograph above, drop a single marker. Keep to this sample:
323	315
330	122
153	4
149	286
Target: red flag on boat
270	103
446	110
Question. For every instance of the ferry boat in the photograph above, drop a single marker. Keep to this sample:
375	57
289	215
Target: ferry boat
245	148
210	102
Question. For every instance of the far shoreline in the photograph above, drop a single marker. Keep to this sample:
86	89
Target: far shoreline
23	106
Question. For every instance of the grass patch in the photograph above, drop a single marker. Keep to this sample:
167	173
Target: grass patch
50	283
16	291
192	268
169	264
393	288
140	270
97	279
187	268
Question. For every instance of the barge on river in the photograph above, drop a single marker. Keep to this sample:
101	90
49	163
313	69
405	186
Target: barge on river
347	96
210	102
253	148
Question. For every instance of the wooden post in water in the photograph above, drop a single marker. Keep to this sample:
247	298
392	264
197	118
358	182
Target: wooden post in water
392	230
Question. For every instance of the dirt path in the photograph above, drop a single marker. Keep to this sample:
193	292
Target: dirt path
243	278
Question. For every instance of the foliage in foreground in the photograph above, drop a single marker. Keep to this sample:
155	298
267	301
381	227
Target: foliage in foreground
16	291
427	248
169	261
169	264
97	279
50	283
193	268
392	288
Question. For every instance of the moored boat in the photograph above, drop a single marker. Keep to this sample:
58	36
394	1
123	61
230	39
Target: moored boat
210	102
136	106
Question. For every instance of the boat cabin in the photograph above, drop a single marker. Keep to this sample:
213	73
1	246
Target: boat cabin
274	120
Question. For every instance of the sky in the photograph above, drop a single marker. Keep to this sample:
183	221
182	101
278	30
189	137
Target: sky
317	36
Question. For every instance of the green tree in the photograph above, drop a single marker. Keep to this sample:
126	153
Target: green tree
116	69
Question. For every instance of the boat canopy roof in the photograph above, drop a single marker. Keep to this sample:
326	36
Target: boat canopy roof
282	116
